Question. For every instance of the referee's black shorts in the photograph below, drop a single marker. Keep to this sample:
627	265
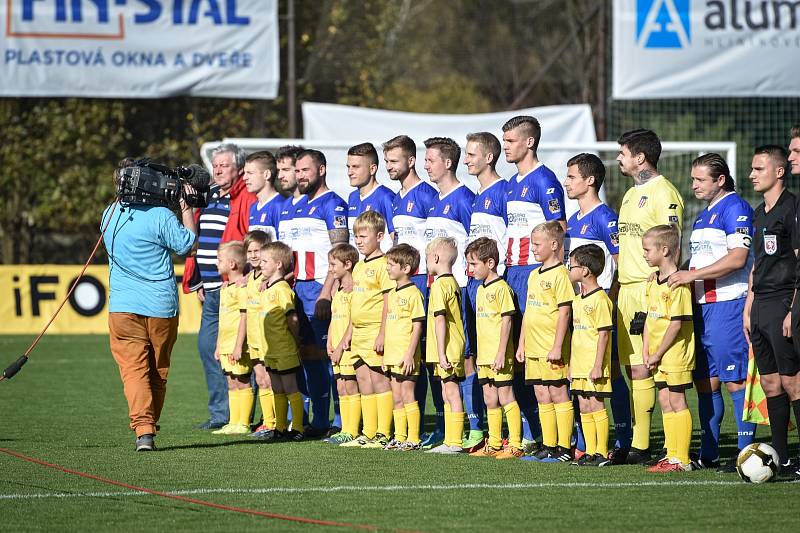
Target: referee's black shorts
774	353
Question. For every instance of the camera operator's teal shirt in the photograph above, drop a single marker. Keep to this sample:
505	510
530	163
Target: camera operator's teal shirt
139	240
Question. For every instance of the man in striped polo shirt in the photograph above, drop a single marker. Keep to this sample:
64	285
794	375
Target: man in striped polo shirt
224	219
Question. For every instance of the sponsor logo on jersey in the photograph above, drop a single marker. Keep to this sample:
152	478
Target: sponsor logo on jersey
729	368
551	190
642	201
673	206
612	224
742	218
517	219
588	309
353	207
339	221
554	206
544	284
490	297
664	296
339	208
743	231
630	228
402	301
770	244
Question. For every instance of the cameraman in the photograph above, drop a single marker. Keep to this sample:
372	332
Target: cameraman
143	301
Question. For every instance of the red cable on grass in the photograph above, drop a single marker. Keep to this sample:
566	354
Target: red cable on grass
275	516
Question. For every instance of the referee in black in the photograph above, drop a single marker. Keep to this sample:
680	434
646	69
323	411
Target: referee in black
767	319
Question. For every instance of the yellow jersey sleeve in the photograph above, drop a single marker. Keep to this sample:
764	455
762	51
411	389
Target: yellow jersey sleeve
680	304
405	308
278	301
230	308
444	299
340	316
564	292
591	314
494	301
255	331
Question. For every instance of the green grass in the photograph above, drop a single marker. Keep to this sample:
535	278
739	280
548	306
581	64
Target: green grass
66	407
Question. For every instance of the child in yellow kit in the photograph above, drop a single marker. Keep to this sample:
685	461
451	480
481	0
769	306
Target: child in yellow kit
231	347
281	328
253	242
341	260
544	342
401	352
368	309
494	313
668	341
590	360
444	348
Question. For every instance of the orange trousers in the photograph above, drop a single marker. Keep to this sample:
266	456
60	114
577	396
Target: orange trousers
142	347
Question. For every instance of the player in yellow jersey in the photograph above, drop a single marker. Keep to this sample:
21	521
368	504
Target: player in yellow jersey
494	314
669	344
590	358
544	342
341	260
281	329
231	349
401	354
653	200
368	309
444	348
253	242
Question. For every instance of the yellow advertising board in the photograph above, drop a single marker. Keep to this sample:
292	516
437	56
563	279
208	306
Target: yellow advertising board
30	294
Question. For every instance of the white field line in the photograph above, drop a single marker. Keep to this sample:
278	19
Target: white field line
385	488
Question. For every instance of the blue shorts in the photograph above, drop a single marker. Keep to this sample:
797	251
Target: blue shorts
468	296
517	278
718	354
421	281
313	331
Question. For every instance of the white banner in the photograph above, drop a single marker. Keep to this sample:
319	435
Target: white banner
140	48
706	48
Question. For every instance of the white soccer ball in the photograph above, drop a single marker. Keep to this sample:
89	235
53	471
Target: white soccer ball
757	463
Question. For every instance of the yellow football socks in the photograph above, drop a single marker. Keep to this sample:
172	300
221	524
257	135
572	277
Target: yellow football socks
244	401
412	421
495	422
668	421
601	428
296	403
565	421
354	420
369	412
589	433
266	399
514	422
643	399
385	406
233	406
400	424
547	418
682	424
453	427
281	412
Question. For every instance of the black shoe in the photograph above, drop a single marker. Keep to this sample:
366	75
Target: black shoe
618	456
271	435
596	460
788	469
544	451
145	443
333	431
728	467
209	424
313	433
701	463
585	458
638	457
293	436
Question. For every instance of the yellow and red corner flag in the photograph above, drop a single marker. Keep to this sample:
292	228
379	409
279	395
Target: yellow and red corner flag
755	401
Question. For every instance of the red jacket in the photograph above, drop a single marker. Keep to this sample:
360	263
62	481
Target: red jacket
235	229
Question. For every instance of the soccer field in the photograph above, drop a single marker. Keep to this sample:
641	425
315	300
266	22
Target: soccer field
67	408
